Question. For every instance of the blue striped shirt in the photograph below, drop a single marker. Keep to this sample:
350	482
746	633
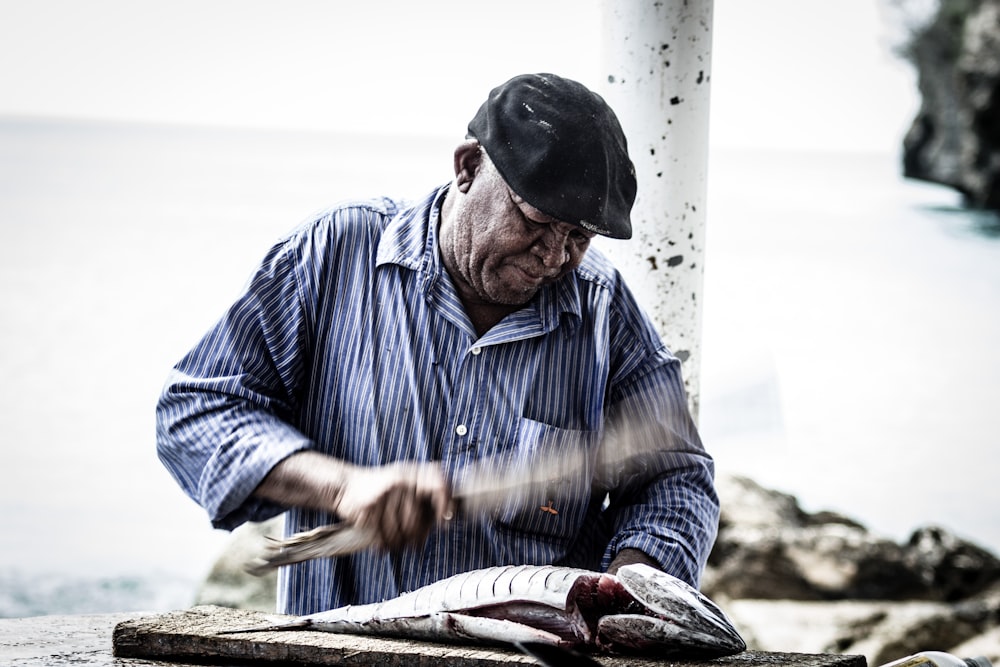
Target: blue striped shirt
350	339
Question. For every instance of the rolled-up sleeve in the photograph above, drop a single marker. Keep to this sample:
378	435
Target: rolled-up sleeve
224	415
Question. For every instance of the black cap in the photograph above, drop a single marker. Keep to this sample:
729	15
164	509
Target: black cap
560	147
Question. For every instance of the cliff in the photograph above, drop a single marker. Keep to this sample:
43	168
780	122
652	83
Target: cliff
955	138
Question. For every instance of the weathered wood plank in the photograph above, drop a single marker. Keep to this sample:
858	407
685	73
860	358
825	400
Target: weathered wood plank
193	634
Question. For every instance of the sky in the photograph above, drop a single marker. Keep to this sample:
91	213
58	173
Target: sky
799	74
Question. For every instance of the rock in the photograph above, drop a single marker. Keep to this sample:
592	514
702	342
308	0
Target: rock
952	567
228	584
955	138
946	625
822	583
769	548
881	631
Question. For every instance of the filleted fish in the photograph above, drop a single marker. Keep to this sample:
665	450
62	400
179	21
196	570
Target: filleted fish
640	609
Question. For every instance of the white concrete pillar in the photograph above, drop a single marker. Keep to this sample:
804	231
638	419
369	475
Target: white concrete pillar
658	62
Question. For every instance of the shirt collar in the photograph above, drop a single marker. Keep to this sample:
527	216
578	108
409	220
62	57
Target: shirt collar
410	239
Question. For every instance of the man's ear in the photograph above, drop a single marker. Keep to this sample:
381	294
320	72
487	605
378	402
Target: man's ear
468	160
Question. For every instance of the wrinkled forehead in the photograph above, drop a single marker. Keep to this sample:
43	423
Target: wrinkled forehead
532	213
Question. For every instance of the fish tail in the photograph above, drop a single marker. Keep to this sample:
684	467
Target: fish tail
323	542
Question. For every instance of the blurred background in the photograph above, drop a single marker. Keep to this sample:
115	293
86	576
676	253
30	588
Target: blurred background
151	152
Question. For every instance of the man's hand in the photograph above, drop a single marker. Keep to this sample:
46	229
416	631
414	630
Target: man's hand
398	503
630	557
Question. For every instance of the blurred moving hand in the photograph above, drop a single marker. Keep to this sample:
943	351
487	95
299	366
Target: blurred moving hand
394	505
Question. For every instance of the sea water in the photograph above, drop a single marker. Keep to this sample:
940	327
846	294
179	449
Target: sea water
848	338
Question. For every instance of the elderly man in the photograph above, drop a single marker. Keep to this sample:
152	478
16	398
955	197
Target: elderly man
382	348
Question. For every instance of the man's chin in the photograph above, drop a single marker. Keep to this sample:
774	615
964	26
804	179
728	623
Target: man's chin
514	297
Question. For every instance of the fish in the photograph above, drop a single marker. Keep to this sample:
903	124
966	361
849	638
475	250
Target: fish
640	609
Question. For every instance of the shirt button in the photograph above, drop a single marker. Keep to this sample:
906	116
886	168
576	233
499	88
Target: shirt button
461	430
477	350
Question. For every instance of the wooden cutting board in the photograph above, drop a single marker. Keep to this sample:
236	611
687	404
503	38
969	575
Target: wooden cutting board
192	634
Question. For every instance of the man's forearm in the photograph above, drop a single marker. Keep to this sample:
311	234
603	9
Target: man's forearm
399	502
306	479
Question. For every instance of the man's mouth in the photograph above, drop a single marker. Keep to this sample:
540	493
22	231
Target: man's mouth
533	279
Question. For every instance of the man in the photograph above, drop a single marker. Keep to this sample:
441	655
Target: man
380	350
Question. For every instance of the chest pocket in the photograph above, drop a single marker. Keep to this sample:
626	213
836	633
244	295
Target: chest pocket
561	462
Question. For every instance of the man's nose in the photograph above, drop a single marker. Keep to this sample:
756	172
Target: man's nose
551	249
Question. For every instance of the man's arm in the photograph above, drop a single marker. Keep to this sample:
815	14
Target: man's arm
665	504
224	418
664	501
399	502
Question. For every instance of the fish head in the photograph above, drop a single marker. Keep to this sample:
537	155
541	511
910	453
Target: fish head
677	617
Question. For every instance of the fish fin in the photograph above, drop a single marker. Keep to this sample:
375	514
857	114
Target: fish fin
495	630
550	655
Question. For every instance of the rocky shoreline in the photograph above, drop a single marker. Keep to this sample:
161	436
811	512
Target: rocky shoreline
792	581
822	583
955	138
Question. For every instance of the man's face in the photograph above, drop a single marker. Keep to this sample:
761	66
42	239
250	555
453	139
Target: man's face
504	250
